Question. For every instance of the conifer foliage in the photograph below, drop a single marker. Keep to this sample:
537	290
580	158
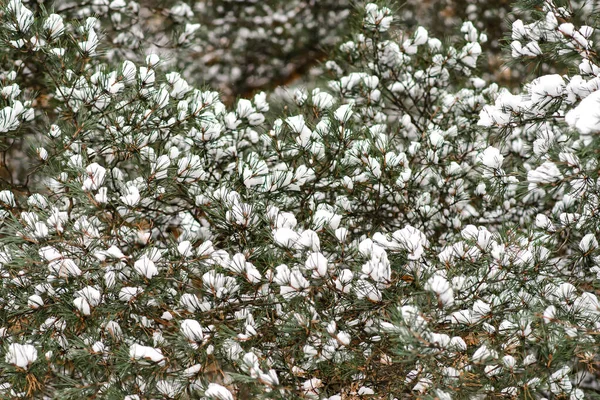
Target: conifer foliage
405	228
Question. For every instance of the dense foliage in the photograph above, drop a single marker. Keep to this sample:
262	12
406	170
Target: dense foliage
408	228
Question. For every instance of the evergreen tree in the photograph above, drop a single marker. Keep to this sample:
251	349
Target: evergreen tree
406	228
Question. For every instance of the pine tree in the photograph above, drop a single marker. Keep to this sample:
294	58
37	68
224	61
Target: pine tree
404	228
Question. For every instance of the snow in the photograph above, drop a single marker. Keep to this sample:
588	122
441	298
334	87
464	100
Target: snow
586	116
